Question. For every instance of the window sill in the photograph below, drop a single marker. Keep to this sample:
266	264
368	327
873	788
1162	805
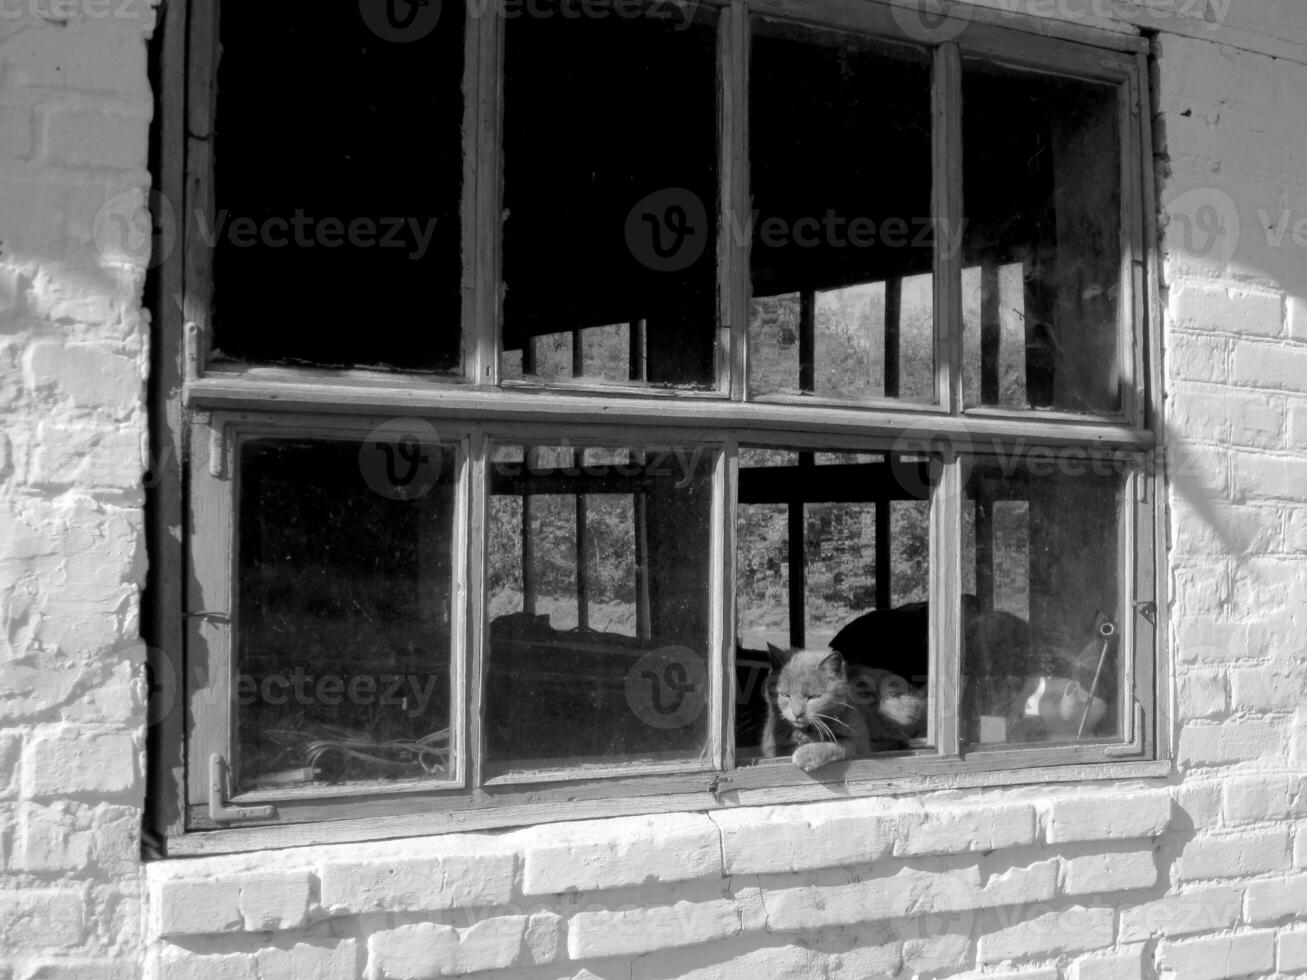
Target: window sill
727	792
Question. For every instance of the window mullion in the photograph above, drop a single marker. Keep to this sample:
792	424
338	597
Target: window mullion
472	623
734	224
722	678
482	198
946	606
947	218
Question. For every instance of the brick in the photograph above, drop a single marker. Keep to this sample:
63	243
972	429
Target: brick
34	919
1198	357
1273	366
87	457
335	962
1266	689
1203	694
176	963
11	750
82	138
15	131
65	968
1104	874
1071	930
425	950
644	929
840	899
1107	816
1246	955
466	874
69	762
1273	901
49	839
274	901
1298	426
1291	952
957	830
1228	310
1264	477
770	840
195	907
1295	308
85	57
1186	914
89	376
1259	799
1201	640
1128	965
1234	856
1300	846
621	853
1230	741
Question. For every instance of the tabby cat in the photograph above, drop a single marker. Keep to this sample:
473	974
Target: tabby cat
822	709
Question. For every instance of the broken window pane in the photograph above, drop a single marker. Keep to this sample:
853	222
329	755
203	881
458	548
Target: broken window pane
842	232
1042	626
343	632
599	604
832	549
338	170
1042	243
610	183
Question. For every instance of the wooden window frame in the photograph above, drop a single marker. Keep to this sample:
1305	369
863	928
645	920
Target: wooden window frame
204	409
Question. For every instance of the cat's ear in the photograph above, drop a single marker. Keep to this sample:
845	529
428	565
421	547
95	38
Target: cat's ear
779	658
833	664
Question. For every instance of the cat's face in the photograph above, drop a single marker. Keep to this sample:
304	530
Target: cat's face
809	688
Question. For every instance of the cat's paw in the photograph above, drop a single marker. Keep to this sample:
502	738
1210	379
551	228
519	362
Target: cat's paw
812	756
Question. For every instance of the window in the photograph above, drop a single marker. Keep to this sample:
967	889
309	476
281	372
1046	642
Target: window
540	370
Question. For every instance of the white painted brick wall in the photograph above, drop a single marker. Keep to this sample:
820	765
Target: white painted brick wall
1197	876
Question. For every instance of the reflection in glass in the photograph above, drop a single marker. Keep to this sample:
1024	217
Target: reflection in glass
1041	622
343	632
610	198
1042	242
842	240
832	549
598	604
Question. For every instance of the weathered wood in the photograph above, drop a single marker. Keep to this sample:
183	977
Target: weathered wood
733	229
775	783
483	197
163	603
946	110
946	609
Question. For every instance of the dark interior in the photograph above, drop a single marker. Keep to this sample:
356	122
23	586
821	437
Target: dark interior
320	117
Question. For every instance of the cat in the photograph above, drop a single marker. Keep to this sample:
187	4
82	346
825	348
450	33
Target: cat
822	709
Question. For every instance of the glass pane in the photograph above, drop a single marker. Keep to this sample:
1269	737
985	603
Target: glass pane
338	176
842	235
610	182
599	604
832	551
1042	242
1041	553
343	637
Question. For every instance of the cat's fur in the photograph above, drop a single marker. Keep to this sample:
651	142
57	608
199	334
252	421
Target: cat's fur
822	709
